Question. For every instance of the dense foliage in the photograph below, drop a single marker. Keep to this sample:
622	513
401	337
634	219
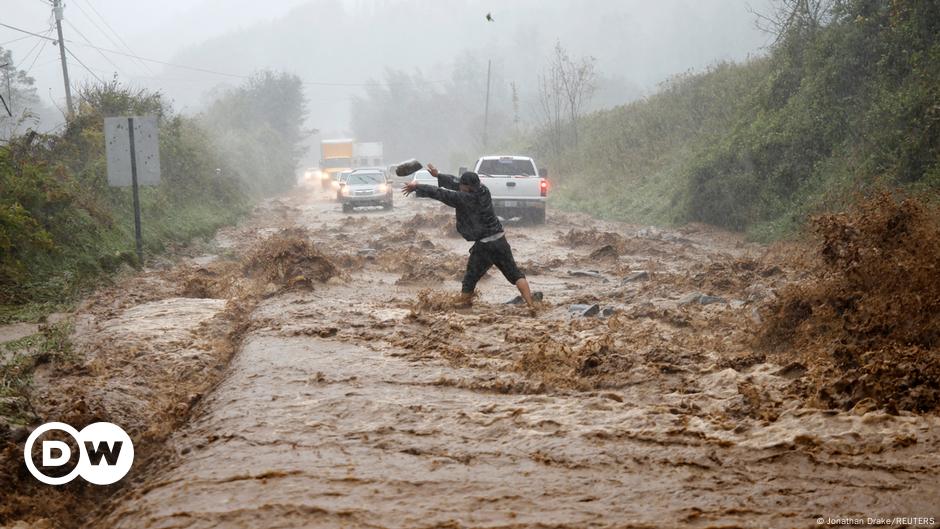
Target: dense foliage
257	127
62	227
841	102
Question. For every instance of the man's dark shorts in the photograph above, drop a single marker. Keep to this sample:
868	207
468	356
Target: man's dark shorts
483	255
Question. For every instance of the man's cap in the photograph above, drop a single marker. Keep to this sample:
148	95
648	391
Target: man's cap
470	179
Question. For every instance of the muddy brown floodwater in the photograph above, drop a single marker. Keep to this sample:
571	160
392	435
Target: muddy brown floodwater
369	401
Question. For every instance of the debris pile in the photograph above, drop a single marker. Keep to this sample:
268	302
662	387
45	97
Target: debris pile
288	259
867	321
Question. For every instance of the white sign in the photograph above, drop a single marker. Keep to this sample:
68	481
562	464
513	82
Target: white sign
117	142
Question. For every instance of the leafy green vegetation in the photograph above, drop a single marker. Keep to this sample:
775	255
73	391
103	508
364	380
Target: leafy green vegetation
257	128
62	228
845	100
18	360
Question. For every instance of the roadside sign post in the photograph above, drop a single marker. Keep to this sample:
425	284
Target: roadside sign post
133	151
137	237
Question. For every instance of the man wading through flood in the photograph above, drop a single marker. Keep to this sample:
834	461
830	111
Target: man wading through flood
477	222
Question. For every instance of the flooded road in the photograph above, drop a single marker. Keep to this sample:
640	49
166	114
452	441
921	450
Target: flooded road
369	400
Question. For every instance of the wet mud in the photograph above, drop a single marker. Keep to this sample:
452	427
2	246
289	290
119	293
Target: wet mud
363	393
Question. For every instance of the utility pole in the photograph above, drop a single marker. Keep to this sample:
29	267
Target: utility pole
57	9
486	109
6	70
9	70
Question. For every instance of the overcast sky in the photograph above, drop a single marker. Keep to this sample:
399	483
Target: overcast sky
638	42
155	30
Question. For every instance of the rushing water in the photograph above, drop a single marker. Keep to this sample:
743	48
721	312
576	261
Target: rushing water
354	431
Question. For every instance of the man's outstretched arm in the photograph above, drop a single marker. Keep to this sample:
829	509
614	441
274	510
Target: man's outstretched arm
451	198
444	180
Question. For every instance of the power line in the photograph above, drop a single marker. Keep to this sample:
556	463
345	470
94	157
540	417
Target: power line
46	63
43	42
84	66
5	107
31	50
27	32
82	35
115	33
37	55
14	40
93	23
213	72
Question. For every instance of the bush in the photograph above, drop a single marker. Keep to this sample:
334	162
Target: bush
866	321
762	145
62	227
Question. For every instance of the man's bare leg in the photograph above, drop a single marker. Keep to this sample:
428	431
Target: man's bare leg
523	286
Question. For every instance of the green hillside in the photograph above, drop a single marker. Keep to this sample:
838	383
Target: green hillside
845	99
63	229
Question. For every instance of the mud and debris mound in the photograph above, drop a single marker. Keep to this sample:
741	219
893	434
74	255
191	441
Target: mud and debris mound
290	260
867	321
286	259
420	265
592	237
429	220
431	271
429	300
442	221
611	245
608	251
565	365
725	275
216	280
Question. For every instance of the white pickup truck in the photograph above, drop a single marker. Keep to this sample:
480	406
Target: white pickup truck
518	188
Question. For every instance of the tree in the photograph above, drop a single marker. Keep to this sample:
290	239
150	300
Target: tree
564	88
552	105
259	125
19	94
800	18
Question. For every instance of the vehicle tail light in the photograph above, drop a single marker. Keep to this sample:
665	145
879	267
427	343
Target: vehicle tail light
543	187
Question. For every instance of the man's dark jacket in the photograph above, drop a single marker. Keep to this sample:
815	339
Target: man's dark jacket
475	216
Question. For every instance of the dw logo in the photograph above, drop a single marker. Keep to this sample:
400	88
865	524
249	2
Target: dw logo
105	453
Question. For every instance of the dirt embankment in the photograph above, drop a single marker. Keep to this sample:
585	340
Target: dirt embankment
866	319
148	348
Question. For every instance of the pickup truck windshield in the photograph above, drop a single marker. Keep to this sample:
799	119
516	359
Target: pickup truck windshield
506	168
365	178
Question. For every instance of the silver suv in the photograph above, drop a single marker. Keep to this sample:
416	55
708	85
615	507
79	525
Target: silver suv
365	187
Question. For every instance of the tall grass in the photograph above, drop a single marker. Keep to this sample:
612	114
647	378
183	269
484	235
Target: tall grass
62	228
760	145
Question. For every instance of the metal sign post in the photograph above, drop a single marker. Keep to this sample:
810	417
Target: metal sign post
133	150
137	237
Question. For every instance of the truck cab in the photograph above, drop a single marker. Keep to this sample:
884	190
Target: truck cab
516	185
336	156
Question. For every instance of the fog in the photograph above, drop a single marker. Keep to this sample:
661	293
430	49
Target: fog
338	48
